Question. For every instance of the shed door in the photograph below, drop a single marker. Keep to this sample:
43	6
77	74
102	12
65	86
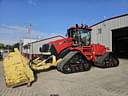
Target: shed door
120	42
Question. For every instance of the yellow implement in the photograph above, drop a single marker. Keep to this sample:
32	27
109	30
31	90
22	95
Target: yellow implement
45	64
17	70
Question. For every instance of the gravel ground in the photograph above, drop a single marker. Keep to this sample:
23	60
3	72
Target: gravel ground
96	82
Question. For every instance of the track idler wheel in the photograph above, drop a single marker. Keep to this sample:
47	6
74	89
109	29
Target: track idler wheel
67	69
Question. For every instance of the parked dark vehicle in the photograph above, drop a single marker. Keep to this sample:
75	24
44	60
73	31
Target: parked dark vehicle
1	55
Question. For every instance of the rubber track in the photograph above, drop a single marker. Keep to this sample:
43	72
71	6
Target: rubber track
65	60
101	61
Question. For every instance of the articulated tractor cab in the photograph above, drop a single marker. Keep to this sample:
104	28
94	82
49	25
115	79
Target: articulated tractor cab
77	52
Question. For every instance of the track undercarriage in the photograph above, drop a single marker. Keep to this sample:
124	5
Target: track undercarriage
74	62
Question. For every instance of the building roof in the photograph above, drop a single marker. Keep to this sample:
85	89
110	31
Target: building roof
44	39
109	19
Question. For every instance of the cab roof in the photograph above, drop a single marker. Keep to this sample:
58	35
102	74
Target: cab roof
84	27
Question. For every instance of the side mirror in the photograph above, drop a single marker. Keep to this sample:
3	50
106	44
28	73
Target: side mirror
40	49
66	35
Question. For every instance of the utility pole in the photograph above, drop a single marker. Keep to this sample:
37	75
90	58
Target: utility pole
30	38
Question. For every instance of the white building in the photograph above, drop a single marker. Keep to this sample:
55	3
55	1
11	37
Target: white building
26	41
113	33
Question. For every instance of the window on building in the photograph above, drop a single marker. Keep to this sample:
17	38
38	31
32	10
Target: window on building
99	31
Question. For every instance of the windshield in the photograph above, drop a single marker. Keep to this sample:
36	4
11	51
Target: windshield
81	36
85	36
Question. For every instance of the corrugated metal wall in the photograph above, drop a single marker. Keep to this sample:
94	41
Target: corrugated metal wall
102	32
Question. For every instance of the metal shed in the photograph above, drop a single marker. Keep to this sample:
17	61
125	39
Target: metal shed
113	33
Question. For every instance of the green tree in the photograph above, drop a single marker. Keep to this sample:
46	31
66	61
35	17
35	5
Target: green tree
2	46
16	45
8	47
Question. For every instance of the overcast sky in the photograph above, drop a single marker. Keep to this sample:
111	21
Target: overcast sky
52	17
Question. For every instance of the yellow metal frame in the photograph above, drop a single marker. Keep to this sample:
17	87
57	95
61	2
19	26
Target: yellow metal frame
17	70
43	65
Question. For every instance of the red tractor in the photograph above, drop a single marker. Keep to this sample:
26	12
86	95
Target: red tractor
77	52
